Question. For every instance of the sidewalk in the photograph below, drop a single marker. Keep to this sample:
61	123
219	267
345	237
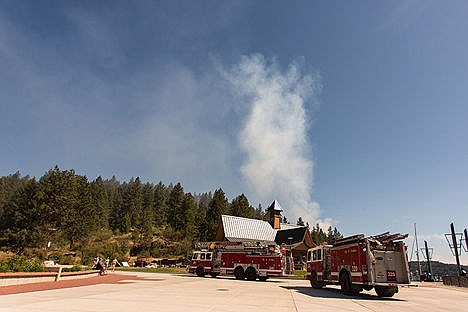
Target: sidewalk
111	278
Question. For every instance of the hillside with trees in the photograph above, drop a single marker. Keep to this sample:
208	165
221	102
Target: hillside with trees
439	269
83	218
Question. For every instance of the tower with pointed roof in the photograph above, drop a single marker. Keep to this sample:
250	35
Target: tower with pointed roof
275	210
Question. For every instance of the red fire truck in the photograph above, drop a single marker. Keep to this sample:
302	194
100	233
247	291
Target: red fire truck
249	260
357	262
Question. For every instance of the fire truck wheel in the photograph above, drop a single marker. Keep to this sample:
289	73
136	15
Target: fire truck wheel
239	273
345	284
386	291
251	274
200	271
314	282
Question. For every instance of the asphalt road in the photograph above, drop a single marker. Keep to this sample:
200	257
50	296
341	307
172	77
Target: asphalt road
144	292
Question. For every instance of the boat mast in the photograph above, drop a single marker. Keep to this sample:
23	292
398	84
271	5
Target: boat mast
417	252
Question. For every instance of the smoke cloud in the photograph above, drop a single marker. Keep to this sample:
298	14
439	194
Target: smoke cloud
278	157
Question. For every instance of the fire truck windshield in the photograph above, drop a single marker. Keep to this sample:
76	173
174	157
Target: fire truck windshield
315	255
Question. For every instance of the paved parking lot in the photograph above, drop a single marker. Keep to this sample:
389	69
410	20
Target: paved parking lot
163	292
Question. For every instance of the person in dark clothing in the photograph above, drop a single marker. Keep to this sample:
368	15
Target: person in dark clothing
98	265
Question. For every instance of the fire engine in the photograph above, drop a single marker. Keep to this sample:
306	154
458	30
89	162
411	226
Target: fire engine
357	263
250	260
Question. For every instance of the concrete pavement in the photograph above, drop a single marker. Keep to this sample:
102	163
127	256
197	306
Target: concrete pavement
164	292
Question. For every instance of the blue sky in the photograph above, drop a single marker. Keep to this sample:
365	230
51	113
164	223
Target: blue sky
350	113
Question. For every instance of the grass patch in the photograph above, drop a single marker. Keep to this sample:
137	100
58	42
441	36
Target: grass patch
154	270
300	272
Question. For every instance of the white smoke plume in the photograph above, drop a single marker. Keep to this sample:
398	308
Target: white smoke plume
278	157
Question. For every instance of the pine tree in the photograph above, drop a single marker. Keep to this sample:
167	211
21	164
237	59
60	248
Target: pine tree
333	235
176	211
189	215
133	201
80	219
21	226
147	216
100	201
240	207
329	235
259	213
65	204
202	232
218	206
160	204
8	186
317	235
119	219
300	222
112	192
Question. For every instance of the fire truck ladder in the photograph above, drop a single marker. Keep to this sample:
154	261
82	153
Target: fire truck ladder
386	237
250	246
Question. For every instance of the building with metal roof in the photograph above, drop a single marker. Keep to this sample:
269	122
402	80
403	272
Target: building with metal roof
296	238
235	229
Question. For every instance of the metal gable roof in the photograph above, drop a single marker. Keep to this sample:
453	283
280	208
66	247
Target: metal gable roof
242	229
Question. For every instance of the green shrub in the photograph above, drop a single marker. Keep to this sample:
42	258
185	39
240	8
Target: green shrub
64	259
21	264
40	253
117	249
103	235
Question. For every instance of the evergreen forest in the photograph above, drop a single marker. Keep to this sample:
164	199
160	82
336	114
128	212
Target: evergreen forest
66	217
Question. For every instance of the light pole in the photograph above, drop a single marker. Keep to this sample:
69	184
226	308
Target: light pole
291	259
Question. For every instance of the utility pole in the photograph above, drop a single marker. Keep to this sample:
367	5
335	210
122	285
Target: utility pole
466	240
429	266
455	247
